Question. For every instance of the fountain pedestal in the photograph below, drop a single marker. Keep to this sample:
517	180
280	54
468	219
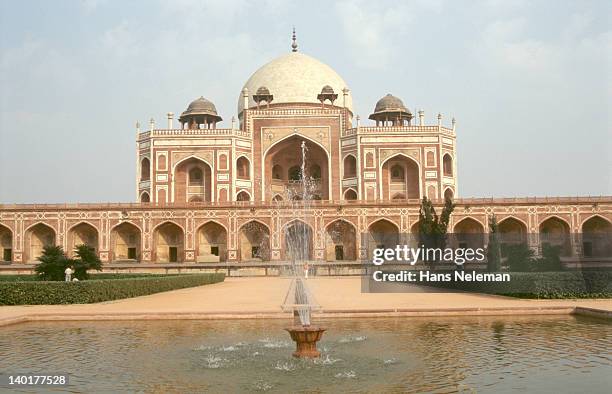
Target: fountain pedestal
306	338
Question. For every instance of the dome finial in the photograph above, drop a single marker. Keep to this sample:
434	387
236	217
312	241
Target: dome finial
294	43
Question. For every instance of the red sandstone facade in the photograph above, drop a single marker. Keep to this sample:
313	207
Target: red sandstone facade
209	194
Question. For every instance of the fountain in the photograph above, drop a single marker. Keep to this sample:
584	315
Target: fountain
299	298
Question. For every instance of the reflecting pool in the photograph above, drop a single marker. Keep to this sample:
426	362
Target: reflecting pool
467	354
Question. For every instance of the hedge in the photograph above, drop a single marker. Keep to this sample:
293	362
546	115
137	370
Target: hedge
34	277
563	284
97	290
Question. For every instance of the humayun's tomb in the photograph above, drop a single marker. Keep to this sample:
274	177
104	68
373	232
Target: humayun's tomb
212	195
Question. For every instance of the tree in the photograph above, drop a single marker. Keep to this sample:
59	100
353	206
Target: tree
433	228
86	259
493	250
53	263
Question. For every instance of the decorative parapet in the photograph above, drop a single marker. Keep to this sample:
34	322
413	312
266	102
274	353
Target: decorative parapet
192	133
295	111
595	200
397	130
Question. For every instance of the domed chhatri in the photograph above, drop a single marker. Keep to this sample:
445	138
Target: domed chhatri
327	93
391	111
263	95
200	112
294	78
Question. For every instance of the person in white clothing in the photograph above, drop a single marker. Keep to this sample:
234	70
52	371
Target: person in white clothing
68	273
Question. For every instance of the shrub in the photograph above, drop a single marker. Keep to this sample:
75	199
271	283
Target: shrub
87	259
519	258
54	262
30	277
550	260
565	284
90	291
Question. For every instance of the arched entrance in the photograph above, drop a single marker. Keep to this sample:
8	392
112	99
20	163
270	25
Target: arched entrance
469	233
192	181
340	241
125	242
511	232
254	242
37	237
82	234
350	195
400	178
212	243
556	232
243	168
287	156
168	243
447	165
145	169
597	237
383	235
298	241
350	167
243	196
6	243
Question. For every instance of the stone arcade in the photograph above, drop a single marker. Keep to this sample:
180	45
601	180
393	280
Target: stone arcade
210	194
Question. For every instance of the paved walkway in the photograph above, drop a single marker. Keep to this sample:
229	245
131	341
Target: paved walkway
262	297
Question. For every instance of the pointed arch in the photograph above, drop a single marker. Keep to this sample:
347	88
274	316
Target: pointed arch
277	153
168	242
6	243
555	231
479	222
340	240
254	241
243	195
145	197
243	167
145	169
350	194
513	231
469	233
298	240
592	217
211	242
180	189
37	236
350	166
85	233
126	240
447	165
596	237
449	193
382	234
410	183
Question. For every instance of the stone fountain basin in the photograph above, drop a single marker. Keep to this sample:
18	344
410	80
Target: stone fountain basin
306	338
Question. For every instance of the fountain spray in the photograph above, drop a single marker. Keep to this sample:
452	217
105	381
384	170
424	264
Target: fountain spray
299	298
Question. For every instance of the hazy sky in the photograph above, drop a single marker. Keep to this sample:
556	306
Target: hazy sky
530	83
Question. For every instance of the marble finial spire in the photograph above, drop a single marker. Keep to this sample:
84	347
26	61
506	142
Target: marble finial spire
294	45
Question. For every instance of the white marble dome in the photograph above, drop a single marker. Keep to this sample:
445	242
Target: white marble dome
295	78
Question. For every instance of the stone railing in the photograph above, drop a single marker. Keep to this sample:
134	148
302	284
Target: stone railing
295	111
192	133
318	203
396	130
